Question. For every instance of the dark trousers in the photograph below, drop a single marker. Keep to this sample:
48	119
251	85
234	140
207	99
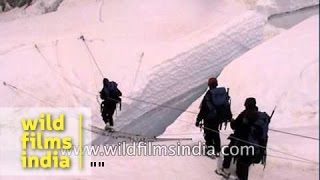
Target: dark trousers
213	140
243	164
228	158
107	111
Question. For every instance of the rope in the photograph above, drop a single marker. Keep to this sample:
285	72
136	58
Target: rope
275	150
43	57
182	134
174	108
57	53
138	69
288	159
293	134
191	112
60	74
27	93
100	11
3	52
93	58
264	147
161	105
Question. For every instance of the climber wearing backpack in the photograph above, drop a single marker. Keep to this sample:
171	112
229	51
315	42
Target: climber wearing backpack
250	129
214	110
110	94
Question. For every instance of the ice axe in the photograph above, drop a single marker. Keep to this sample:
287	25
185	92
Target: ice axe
264	160
274	109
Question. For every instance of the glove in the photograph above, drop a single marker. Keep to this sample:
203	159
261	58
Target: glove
197	123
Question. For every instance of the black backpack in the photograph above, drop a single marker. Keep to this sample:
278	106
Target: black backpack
258	138
111	92
220	100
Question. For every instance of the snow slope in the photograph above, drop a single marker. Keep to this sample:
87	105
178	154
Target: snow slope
161	33
286	77
63	62
275	76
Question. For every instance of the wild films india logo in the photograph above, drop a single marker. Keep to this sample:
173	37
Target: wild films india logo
37	141
36	138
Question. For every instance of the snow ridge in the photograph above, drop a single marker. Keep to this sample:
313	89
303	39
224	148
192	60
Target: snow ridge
180	80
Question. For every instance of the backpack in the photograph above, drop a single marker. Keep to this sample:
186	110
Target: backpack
258	138
220	100
110	92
